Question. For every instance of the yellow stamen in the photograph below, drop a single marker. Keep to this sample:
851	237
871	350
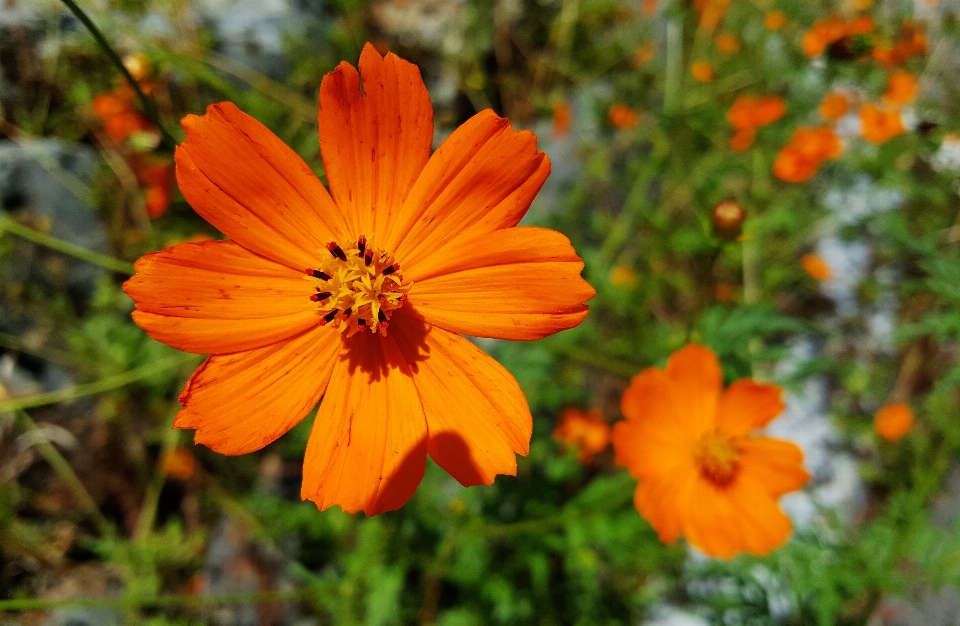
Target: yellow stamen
718	457
357	288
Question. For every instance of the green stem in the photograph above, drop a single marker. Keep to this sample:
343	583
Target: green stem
89	389
145	103
65	247
158	601
151	499
66	473
673	79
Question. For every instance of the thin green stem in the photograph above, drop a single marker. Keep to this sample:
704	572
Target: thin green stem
100	386
261	597
65	247
674	74
151	499
65	472
149	108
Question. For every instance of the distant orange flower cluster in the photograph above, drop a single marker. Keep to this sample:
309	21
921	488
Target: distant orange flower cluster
910	41
135	136
809	147
832	30
749	113
702	471
585	431
711	12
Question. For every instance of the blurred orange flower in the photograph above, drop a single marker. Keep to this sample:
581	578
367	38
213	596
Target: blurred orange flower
911	41
702	71
749	111
775	20
562	116
728	42
880	125
808	148
118	112
645	52
831	30
701	472
893	421
178	463
742	139
901	89
156	177
585	430
834	106
622	116
623	276
281	337
711	12
816	267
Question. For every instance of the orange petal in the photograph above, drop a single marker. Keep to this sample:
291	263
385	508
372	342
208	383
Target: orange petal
244	180
762	523
712	522
649	450
215	297
516	283
662	503
477	415
481	179
374	142
747	405
368	448
697	378
241	402
774	463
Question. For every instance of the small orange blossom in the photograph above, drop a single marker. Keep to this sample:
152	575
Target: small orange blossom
584	430
880	125
622	116
893	421
816	266
701	472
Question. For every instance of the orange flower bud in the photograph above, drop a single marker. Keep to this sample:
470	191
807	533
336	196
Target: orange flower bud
561	120
178	463
728	42
727	218
585	430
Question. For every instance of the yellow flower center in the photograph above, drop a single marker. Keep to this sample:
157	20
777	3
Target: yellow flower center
357	288
718	457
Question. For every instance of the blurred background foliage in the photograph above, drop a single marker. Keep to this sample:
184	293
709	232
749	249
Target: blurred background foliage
109	516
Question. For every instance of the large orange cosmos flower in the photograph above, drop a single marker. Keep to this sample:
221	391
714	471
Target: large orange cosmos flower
426	246
701	471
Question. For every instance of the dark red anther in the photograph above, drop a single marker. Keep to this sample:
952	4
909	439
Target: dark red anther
361	245
336	250
319	274
381	316
329	317
320	297
390	269
367	257
346	313
362	323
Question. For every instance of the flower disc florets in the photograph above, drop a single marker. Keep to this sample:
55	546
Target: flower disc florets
718	457
357	288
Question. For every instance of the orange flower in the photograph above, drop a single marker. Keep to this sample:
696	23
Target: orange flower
817	142
561	120
901	89
831	30
585	430
280	337
793	166
775	20
880	125
834	106
648	7
622	116
702	474
119	114
816	267
728	42
754	112
702	71
893	421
